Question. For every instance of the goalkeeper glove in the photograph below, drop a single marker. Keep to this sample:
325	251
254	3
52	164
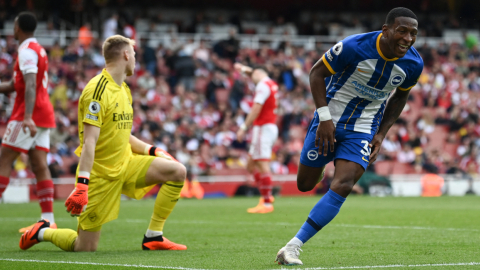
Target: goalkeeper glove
78	199
158	152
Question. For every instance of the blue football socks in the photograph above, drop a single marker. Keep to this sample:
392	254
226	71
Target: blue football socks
322	213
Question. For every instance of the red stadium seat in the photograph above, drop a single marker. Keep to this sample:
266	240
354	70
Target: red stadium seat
402	168
383	167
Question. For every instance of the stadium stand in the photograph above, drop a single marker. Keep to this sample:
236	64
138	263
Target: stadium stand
190	101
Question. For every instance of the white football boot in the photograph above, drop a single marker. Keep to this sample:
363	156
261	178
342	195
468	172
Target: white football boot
288	255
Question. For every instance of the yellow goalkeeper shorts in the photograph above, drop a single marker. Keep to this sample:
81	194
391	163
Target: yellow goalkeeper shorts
104	195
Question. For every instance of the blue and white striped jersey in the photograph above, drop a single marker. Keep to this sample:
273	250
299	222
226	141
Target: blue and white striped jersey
363	80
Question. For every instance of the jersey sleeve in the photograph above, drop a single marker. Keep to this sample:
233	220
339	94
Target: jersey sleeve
27	61
94	110
262	92
340	56
412	78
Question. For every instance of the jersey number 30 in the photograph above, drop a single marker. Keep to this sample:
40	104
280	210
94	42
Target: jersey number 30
366	150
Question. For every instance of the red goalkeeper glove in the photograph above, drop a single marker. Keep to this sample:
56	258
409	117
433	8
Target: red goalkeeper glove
78	199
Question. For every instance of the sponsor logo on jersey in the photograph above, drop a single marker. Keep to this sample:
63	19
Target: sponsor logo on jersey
363	71
92	117
397	80
369	92
329	56
94	107
122	116
312	154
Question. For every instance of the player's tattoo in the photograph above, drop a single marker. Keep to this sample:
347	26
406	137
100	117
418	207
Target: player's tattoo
30	93
393	110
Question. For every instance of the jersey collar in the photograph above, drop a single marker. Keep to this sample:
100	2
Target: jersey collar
380	52
113	85
28	40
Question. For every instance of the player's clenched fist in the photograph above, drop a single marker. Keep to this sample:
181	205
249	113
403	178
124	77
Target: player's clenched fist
78	199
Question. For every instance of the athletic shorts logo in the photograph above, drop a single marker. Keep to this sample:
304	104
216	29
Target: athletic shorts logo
92	216
94	107
364	159
397	80
312	154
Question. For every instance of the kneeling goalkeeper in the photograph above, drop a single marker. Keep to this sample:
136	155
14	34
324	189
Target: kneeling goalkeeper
113	162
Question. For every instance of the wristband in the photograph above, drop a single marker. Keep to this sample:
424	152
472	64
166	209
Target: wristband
324	114
152	150
83	180
243	127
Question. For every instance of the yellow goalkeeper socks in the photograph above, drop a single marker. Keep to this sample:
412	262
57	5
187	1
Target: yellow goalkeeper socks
62	238
166	200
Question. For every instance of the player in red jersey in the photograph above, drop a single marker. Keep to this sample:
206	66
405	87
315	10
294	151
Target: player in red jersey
265	132
32	116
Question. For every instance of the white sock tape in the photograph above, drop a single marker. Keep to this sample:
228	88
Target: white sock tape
84	174
324	113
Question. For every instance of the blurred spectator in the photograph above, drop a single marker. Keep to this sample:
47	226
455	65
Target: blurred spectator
85	35
55	162
149	57
147	81
406	155
110	26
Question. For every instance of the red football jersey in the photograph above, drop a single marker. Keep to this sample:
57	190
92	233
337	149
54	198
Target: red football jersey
266	94
32	58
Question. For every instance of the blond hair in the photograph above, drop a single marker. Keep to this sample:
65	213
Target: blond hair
113	46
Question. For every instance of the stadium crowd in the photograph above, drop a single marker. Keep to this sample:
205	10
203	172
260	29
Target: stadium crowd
190	101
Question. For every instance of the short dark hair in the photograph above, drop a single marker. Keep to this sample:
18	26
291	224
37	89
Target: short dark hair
27	22
261	67
399	12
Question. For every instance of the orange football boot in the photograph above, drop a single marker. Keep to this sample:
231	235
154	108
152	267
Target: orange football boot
260	209
160	243
23	230
30	237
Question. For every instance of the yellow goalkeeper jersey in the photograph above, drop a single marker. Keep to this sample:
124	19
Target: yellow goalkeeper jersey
107	105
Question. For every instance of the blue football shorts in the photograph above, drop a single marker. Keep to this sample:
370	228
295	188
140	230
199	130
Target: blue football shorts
350	145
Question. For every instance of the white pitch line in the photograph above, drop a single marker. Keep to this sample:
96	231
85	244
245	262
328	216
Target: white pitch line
384	266
265	223
289	268
102	264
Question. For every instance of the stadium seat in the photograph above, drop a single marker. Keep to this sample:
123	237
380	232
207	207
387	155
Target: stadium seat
383	167
402	168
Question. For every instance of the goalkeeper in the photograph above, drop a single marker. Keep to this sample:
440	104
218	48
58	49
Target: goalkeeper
113	162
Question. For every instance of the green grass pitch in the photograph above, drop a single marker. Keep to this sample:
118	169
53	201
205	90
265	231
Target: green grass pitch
412	233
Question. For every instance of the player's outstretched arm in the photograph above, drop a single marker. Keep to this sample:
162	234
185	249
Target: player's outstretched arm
326	134
7	87
243	69
77	202
394	108
143	148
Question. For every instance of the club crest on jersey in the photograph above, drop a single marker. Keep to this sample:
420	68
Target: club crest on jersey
94	107
397	80
312	154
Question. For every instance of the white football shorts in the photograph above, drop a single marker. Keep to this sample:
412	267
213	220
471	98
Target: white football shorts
262	141
16	139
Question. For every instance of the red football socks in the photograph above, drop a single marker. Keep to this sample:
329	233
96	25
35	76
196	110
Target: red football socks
45	195
266	187
3	184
